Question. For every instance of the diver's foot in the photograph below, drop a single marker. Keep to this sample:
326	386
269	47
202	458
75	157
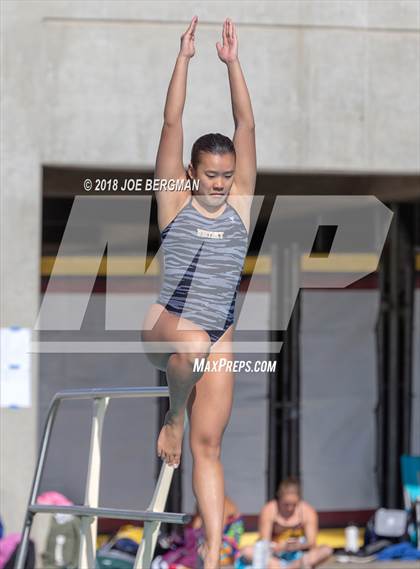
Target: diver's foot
169	443
209	559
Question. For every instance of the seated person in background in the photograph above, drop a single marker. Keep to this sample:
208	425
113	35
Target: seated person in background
291	525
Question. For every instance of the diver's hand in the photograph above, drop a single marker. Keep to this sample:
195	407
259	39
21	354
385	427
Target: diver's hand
187	40
228	52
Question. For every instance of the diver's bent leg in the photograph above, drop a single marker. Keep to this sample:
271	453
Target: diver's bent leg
181	378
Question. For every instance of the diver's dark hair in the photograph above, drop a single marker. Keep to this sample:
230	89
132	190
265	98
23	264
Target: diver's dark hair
214	142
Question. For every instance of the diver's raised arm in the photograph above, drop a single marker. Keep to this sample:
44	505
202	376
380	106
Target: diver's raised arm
244	136
175	98
169	159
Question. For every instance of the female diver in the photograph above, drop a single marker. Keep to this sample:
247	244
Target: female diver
204	237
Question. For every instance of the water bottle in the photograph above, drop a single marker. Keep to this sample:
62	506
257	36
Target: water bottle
58	550
261	554
352	538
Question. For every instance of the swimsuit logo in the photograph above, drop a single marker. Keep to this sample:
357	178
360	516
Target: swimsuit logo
210	234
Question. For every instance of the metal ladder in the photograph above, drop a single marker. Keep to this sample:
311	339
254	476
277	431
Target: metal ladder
90	512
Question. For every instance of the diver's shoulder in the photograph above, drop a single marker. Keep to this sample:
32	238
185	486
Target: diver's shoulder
170	209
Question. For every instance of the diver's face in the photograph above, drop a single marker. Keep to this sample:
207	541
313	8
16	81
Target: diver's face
288	502
215	174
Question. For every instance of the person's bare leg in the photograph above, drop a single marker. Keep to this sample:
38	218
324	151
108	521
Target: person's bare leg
209	409
162	327
315	556
181	379
312	558
273	563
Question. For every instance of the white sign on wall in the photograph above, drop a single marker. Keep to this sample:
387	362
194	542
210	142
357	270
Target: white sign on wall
15	376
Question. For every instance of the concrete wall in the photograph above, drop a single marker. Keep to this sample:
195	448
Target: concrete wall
335	86
332	87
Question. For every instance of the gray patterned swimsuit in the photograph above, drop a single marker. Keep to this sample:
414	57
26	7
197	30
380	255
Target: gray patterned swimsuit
203	260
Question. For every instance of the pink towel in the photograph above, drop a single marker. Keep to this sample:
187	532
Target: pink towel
52	498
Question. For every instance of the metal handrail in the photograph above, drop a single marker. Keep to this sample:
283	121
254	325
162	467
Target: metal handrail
146	515
152	517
